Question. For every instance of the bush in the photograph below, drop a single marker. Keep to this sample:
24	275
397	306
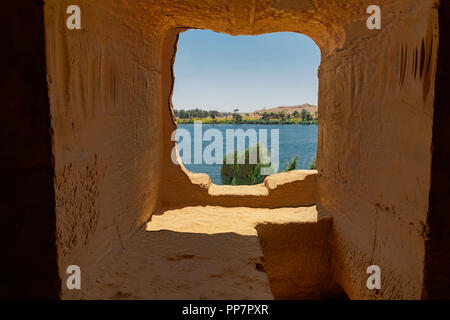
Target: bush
244	174
312	165
292	164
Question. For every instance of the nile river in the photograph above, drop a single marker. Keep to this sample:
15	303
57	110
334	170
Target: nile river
294	140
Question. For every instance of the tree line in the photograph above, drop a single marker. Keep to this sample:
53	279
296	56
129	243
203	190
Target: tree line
304	115
199	114
214	116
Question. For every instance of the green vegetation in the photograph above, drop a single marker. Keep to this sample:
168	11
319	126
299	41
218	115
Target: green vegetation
246	173
292	164
199	114
237	118
312	165
216	117
246	121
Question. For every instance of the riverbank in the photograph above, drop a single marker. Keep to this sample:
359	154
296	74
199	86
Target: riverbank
247	121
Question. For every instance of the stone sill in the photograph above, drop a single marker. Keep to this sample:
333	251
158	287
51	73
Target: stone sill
272	182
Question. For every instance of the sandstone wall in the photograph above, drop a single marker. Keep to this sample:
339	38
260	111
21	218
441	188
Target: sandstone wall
104	89
297	258
110	89
376	96
376	100
286	189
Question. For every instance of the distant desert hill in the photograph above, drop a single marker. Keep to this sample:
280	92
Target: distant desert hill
310	108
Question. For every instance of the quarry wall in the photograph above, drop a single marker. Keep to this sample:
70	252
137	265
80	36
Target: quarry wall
110	87
376	106
104	90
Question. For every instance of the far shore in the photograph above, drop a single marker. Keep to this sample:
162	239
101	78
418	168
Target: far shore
304	114
247	121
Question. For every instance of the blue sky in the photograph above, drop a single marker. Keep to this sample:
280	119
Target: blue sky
215	71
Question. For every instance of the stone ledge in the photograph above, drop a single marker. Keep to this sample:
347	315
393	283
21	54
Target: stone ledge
297	257
286	189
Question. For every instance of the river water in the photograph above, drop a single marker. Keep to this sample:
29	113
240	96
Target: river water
294	140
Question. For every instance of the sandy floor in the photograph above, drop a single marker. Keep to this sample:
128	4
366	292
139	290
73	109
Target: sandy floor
194	253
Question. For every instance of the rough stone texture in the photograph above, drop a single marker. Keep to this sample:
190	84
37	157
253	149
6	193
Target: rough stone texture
375	106
110	88
213	253
286	189
104	91
297	258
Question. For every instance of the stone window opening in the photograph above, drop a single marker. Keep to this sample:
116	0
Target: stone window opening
278	176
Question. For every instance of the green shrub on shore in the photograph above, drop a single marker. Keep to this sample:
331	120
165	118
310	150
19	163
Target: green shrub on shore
247	121
246	173
312	165
292	164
